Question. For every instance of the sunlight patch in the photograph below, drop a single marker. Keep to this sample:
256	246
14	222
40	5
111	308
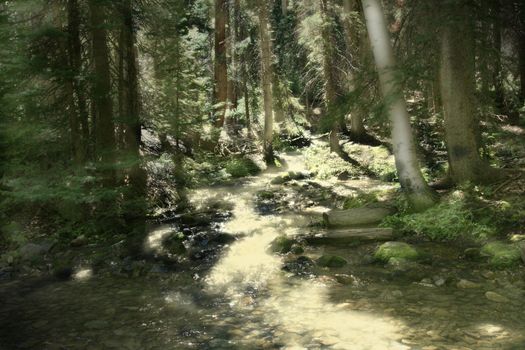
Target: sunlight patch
83	274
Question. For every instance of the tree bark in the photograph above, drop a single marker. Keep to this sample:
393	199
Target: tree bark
75	63
104	128
355	217
266	77
330	80
130	117
458	95
418	193
521	38
221	68
499	95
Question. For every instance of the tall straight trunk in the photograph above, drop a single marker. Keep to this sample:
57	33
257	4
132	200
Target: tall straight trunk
130	117
232	61
418	193
330	80
221	67
497	78
75	64
266	78
458	95
104	128
521	48
355	52
243	63
284	8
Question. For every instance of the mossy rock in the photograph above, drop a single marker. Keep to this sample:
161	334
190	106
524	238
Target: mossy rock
175	244
331	261
281	245
502	254
396	250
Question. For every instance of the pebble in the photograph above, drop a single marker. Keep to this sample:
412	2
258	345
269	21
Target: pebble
498	298
466	284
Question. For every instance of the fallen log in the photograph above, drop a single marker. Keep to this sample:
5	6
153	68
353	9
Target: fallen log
355	217
352	235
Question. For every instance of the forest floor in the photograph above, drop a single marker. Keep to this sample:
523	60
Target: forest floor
211	282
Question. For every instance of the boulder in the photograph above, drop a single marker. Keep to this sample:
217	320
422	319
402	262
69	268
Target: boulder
79	241
281	245
502	254
396	250
32	251
331	261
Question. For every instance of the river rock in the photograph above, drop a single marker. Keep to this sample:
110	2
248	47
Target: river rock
502	255
31	251
397	250
466	284
281	245
302	265
331	261
498	298
79	241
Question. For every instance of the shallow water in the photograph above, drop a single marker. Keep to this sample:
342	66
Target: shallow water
244	299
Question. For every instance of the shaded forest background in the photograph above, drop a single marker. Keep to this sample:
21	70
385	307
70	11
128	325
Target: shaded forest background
111	110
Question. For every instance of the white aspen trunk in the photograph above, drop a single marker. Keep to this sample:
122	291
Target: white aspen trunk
267	74
410	177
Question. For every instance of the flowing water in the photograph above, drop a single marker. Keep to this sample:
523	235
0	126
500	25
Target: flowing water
242	298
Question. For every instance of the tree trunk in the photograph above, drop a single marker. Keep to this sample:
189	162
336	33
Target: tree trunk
75	63
521	48
131	118
355	217
458	95
221	68
284	7
330	83
351	235
499	95
354	51
266	77
418	193
104	127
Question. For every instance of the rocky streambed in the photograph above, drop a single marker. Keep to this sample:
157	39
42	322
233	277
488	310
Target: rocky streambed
243	273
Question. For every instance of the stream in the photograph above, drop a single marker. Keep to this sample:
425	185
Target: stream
244	297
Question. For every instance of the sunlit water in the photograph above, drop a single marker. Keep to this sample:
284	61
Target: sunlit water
246	301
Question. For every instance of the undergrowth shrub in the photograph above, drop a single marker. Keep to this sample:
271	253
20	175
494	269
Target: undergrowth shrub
449	220
241	167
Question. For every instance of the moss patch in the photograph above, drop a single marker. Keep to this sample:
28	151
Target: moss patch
396	250
281	245
502	254
331	261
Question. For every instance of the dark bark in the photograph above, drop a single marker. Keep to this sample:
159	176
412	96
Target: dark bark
130	118
458	95
221	68
104	127
80	126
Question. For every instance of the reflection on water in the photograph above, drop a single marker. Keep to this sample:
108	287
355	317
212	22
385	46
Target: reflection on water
299	312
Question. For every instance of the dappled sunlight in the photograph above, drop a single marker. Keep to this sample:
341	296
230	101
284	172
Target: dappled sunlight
155	237
82	274
304	314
